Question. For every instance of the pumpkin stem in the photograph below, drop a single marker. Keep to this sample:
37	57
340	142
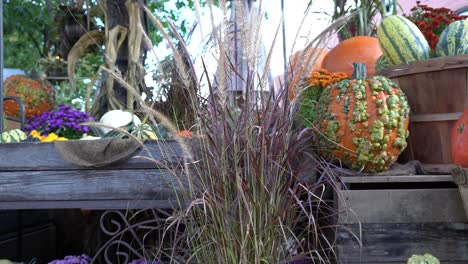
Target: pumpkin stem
461	128
360	71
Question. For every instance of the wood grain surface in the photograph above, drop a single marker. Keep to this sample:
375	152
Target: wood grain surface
43	156
437	92
33	176
395	243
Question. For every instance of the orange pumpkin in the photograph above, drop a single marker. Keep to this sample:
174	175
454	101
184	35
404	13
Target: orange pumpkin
302	64
363	122
459	141
186	133
361	49
38	96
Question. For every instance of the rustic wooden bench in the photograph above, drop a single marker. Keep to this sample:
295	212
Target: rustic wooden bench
396	215
33	176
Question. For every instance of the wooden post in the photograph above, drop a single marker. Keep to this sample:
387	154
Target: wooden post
460	177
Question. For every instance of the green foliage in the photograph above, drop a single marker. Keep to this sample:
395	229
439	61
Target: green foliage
35	31
362	22
33	41
87	68
170	10
381	64
309	99
26	26
32	29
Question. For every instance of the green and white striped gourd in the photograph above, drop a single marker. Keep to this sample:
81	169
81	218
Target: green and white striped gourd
453	40
401	40
144	131
381	64
13	136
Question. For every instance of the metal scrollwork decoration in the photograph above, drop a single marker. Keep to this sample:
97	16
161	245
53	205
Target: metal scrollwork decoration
133	237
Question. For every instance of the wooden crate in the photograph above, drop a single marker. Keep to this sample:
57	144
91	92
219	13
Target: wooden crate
437	92
397	216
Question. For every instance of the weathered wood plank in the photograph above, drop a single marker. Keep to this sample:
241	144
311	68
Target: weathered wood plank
395	262
399	178
438	168
138	184
434	64
91	205
425	84
43	156
460	177
436	117
382	243
400	206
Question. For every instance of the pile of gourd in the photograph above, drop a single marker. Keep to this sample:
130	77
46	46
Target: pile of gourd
123	120
13	136
128	122
401	40
363	122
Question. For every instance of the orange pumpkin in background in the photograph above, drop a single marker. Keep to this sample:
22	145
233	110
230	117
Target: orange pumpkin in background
459	141
38	96
361	49
302	64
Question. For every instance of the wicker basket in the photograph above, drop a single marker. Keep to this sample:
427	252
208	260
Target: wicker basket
437	91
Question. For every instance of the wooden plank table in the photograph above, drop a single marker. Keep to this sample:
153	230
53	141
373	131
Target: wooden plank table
33	176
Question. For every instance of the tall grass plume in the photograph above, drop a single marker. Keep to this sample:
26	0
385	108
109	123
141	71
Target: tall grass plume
250	188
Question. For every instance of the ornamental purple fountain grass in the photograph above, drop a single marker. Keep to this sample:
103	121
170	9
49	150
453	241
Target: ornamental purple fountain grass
64	121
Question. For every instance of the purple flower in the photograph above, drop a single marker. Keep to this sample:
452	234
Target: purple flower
83	259
64	121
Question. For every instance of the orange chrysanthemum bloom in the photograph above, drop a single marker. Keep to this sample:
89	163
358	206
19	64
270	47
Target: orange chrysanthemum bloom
322	78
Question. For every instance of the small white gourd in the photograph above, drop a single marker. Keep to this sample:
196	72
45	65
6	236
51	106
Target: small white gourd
118	118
